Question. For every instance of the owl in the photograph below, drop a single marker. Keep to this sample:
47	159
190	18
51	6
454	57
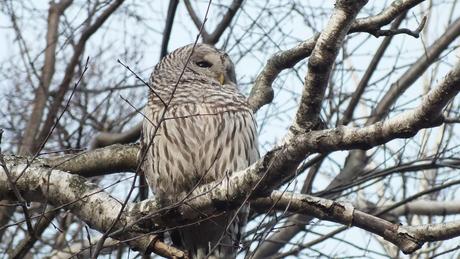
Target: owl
198	128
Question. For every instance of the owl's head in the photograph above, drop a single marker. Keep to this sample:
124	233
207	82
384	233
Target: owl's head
208	61
205	61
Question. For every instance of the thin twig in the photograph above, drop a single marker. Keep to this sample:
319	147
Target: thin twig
391	32
140	79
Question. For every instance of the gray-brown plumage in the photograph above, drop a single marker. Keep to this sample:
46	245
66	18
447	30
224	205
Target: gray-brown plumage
207	132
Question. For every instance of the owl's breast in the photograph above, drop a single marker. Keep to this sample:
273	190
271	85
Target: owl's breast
197	143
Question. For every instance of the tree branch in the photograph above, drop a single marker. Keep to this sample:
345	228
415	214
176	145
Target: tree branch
214	37
104	139
357	157
320	64
83	198
70	69
97	209
425	207
196	20
262	91
33	124
168	27
348	113
224	23
374	23
342	213
102	161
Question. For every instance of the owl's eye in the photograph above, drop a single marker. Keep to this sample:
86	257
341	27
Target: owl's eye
203	64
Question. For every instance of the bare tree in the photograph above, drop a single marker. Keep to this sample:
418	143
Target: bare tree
357	123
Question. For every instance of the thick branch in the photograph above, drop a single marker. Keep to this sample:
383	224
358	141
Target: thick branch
102	161
96	208
262	91
104	139
435	232
320	63
343	213
407	124
83	198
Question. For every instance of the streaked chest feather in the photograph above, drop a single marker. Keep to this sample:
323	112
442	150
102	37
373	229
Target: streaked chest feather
197	144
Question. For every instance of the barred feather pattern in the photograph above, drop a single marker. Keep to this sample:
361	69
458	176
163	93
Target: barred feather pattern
206	133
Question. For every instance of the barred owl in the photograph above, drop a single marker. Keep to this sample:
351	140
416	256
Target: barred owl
201	129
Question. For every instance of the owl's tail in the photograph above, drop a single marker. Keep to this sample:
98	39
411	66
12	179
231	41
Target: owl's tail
214	238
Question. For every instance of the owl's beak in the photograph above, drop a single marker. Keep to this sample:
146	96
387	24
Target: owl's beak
221	79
